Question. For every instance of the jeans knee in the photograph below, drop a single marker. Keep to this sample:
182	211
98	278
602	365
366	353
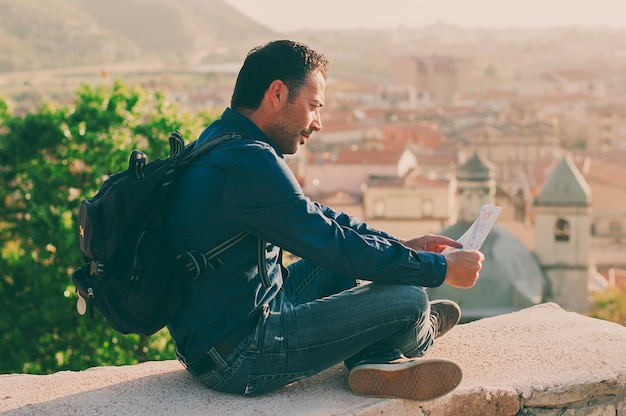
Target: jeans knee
417	300
409	301
418	294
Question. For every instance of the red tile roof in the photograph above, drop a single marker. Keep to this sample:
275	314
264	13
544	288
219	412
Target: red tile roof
382	157
399	135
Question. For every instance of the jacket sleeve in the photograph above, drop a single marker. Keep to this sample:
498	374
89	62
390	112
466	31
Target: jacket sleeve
265	199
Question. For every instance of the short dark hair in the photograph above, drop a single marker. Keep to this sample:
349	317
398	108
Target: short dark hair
285	60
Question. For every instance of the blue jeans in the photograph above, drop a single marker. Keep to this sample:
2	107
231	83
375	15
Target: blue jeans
319	319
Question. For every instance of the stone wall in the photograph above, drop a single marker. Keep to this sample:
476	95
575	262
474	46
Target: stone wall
541	361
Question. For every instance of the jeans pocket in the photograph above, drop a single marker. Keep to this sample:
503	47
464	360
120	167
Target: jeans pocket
261	384
231	378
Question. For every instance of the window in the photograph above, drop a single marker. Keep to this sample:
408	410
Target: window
562	230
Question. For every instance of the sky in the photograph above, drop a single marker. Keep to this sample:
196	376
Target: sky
288	15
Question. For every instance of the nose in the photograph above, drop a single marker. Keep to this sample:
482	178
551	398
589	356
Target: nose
316	125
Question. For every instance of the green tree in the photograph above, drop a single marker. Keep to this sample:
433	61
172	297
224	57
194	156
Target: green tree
610	305
49	161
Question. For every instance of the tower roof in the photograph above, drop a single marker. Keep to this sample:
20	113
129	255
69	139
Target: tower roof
565	186
475	169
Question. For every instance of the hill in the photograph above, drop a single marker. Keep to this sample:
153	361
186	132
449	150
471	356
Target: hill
44	34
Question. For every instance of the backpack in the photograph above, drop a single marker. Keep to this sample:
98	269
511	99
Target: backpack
129	275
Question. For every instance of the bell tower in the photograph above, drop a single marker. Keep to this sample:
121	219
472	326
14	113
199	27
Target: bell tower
476	186
562	232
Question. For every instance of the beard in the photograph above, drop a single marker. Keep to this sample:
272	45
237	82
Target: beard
287	134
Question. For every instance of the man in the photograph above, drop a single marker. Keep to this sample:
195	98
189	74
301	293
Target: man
251	325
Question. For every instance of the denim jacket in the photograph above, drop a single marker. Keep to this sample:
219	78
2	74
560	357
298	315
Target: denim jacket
245	184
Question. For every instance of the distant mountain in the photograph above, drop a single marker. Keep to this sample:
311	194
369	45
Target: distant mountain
43	34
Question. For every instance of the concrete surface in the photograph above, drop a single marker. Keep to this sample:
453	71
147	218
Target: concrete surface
538	361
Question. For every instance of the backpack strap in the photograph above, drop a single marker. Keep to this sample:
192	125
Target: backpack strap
195	262
198	150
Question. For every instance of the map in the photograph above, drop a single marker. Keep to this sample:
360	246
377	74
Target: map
476	235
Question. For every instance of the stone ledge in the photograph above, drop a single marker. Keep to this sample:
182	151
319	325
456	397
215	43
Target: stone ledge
538	361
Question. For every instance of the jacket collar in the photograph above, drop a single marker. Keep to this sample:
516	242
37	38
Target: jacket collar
233	120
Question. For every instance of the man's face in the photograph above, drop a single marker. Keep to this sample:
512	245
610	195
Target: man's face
297	119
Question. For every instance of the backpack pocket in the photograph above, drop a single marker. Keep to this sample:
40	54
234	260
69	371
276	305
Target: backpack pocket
88	226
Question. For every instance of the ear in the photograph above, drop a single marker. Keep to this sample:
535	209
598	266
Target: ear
277	93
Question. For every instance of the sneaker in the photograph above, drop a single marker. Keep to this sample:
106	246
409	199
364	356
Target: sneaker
413	379
444	314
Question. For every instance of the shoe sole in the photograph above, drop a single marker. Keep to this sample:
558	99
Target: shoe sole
414	380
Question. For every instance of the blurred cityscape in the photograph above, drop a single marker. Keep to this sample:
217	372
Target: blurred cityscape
407	107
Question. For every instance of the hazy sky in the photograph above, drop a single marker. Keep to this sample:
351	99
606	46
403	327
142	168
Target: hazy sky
287	15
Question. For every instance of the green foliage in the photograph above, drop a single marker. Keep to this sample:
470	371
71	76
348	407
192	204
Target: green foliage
610	305
49	161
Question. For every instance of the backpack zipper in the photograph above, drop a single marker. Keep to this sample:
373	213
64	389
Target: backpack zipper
262	264
90	298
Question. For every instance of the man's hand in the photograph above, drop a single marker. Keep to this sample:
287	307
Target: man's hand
463	267
430	242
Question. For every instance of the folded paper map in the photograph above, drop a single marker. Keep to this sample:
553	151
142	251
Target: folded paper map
476	235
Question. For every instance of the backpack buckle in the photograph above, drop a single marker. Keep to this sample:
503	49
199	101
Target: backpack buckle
96	267
196	262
